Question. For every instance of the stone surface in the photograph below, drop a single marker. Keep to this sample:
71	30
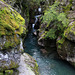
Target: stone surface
27	65
66	45
10	58
12	27
70	32
66	50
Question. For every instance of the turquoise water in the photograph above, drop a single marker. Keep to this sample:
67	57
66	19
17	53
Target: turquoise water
47	65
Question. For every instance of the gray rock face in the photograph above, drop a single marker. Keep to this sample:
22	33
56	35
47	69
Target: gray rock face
10	58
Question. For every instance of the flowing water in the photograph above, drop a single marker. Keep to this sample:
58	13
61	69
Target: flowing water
47	65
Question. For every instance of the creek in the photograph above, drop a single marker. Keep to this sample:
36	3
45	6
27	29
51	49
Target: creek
48	65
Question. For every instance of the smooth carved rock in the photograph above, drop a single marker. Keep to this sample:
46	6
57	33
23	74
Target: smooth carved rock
27	65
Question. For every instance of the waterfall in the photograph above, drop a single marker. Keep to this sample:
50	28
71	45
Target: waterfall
33	26
36	19
39	9
21	44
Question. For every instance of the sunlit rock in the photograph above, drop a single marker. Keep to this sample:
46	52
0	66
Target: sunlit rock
27	65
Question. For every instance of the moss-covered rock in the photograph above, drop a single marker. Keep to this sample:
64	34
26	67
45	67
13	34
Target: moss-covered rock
66	50
10	21
28	65
8	72
70	32
12	27
1	73
8	61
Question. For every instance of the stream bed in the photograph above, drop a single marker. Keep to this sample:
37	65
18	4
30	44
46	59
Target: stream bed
47	65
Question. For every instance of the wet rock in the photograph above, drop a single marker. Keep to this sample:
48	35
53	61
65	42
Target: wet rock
35	33
44	51
41	42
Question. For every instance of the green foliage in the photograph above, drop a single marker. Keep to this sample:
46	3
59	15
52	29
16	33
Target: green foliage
56	20
51	34
61	41
70	31
67	8
34	1
8	72
62	18
50	14
1	73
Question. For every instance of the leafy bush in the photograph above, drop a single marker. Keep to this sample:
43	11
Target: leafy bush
56	22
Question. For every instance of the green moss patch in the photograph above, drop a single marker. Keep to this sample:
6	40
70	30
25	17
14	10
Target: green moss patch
8	72
12	25
1	73
69	33
10	20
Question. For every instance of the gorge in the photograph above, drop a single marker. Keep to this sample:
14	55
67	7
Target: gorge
37	37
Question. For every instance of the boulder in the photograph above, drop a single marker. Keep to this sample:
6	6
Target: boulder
66	45
66	50
12	27
27	65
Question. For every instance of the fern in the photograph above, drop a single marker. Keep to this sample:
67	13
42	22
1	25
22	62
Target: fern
59	20
51	34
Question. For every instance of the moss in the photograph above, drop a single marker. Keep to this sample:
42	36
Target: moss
70	30
2	0
17	40
32	64
8	44
1	73
71	1
11	25
13	65
10	20
67	8
61	41
21	29
11	42
59	46
8	72
36	68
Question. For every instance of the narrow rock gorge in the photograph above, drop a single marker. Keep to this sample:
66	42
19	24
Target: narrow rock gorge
37	37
